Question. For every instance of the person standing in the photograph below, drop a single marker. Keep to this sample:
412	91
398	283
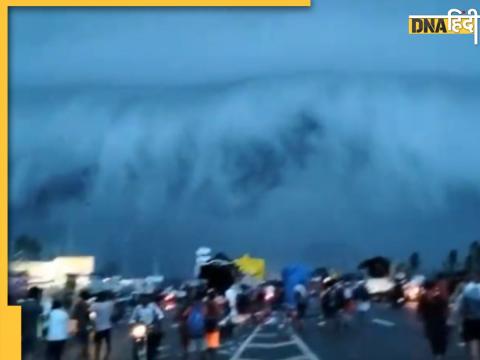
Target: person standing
456	300
181	318
433	311
212	329
196	326
362	297
103	310
57	331
80	314
349	306
301	304
342	304
469	311
231	296
31	314
330	307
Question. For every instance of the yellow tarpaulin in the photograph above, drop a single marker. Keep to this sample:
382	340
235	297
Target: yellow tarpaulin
251	266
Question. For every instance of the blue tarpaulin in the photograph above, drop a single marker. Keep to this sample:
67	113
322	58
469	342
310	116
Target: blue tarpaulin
291	276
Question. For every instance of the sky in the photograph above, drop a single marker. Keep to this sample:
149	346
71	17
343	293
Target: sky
322	135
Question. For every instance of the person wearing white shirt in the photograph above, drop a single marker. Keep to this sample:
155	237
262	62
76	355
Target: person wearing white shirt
57	331
146	314
301	301
301	290
231	295
103	310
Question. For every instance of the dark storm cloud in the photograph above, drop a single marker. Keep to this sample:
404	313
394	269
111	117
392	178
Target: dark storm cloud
129	137
370	167
172	47
257	166
62	188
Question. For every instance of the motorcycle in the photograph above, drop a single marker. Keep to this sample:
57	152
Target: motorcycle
169	301
139	334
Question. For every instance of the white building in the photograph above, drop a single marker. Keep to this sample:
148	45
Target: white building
54	273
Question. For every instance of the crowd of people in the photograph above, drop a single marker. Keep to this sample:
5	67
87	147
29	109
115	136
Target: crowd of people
206	317
445	314
340	300
56	324
90	321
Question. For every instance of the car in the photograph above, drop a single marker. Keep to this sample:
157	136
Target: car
379	288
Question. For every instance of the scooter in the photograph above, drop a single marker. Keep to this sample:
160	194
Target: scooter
139	334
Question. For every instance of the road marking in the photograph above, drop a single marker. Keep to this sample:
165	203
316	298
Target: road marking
271	345
267	335
295	340
383	322
244	345
224	352
304	347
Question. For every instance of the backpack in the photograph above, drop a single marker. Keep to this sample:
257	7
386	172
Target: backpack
196	321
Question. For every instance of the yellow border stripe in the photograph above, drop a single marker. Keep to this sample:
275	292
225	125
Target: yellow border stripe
4	154
10	321
167	3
